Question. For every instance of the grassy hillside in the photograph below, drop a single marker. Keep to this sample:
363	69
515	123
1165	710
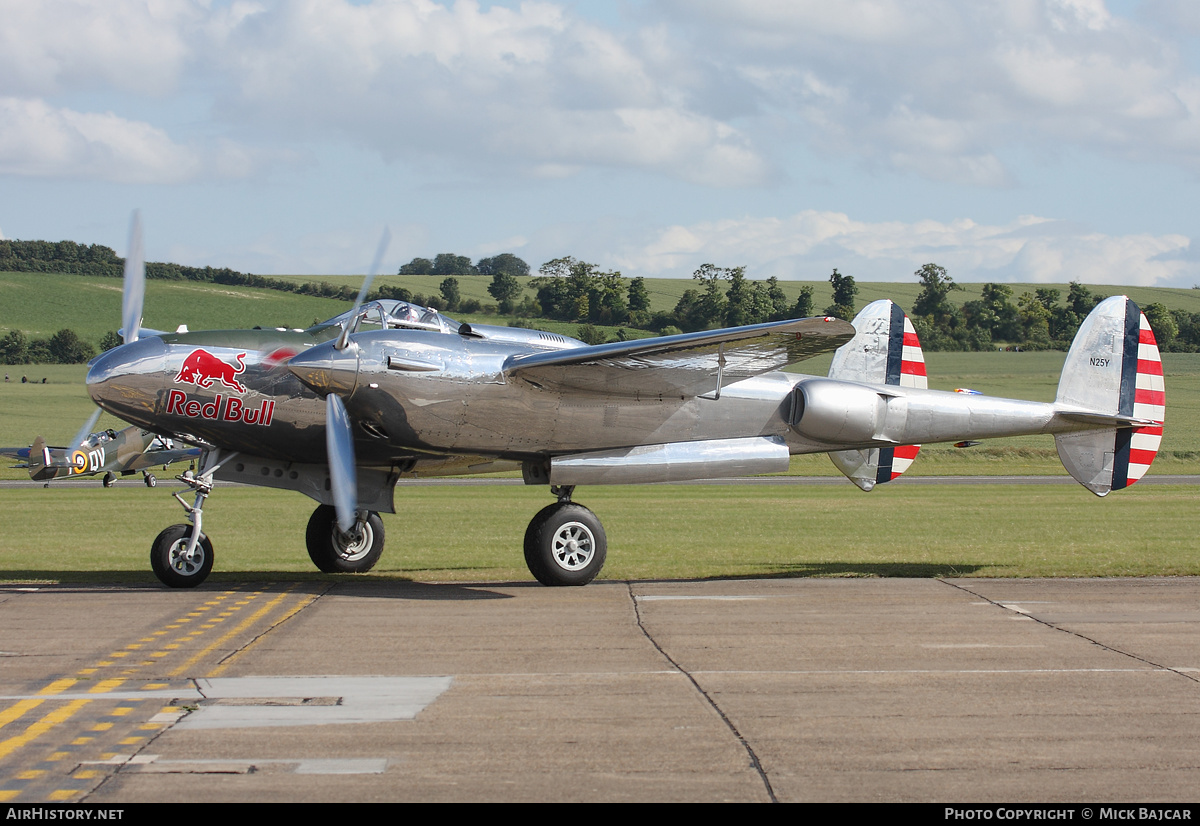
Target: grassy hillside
41	304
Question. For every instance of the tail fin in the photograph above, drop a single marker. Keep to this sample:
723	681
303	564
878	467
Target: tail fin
884	350
1113	369
39	460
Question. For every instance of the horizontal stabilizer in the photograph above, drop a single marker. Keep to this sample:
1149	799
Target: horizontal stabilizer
685	365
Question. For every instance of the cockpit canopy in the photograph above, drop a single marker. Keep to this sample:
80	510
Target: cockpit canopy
389	314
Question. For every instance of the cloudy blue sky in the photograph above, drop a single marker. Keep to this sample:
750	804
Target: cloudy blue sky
1032	140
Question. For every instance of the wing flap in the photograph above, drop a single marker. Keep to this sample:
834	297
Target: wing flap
689	364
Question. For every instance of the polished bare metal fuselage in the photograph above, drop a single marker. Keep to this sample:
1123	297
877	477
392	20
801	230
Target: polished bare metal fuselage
418	393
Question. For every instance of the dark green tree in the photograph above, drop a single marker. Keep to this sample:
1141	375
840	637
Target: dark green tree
450	292
590	334
1162	322
780	307
417	266
933	302
803	308
504	262
639	296
710	306
14	348
447	263
110	340
66	347
505	288
844	291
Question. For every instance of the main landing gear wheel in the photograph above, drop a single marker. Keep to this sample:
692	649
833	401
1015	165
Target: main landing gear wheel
565	545
171	562
335	552
149	480
108	480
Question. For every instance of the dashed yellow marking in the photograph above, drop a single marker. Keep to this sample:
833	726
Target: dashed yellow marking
126	662
43	725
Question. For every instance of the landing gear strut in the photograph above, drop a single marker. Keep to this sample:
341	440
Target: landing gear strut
565	543
182	556
335	552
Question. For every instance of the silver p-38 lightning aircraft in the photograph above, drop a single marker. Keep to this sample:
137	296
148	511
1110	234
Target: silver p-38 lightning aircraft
342	410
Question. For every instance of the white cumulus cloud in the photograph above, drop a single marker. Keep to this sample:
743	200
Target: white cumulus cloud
808	244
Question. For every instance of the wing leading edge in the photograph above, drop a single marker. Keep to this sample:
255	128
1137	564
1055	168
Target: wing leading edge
689	364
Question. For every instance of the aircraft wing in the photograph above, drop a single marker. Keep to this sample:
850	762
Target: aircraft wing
685	365
155	458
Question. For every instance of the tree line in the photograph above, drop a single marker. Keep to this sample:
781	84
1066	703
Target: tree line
1040	319
570	290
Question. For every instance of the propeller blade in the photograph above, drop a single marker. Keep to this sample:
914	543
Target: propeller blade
339	447
86	430
384	242
135	282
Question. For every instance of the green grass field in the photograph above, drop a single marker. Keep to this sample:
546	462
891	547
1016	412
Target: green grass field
84	533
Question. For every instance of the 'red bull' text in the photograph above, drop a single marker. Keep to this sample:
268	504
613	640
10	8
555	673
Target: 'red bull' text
220	409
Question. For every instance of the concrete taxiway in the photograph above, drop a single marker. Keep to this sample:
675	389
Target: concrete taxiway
734	690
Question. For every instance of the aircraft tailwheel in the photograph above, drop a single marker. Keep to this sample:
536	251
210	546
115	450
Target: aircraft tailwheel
565	545
108	480
171	562
335	552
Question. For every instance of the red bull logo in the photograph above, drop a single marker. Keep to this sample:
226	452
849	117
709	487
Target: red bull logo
220	409
202	368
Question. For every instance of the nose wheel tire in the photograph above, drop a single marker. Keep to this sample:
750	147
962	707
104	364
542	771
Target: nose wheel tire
565	545
335	552
171	562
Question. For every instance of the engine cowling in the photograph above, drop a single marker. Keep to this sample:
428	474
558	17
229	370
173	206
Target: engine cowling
837	412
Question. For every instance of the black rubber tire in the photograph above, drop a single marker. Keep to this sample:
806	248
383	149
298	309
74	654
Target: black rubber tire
150	480
329	551
565	545
170	568
108	480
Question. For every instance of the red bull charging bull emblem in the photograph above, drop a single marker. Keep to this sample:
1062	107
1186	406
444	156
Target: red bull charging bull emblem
202	368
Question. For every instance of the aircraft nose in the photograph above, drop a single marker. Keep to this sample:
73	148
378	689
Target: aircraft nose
326	369
126	378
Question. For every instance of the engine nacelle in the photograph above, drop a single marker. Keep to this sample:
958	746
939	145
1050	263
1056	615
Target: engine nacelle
835	412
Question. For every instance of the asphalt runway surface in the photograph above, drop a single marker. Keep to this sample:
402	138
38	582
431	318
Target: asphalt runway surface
943	690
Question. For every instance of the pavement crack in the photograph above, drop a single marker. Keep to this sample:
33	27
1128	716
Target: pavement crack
1076	634
755	763
274	624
